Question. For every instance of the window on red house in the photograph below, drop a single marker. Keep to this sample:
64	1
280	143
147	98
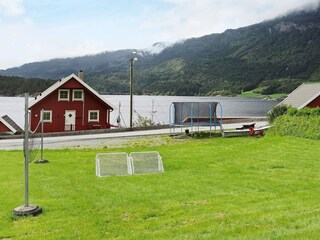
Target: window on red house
47	116
77	95
63	95
94	116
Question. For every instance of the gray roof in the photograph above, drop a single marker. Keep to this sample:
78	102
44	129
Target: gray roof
9	123
302	95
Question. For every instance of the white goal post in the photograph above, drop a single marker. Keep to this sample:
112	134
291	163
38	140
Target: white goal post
113	164
146	162
120	164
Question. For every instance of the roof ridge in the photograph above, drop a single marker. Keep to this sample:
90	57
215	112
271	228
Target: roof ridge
62	81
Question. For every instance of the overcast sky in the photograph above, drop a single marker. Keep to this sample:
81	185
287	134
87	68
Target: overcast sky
37	30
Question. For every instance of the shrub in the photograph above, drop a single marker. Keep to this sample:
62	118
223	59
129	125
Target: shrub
276	111
143	122
299	126
292	111
304	112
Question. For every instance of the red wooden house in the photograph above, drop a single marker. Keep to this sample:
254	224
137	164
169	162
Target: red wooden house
70	105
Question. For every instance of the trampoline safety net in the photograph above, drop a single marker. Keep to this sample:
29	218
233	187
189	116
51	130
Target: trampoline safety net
195	114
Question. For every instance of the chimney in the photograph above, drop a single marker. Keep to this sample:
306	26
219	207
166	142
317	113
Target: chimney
80	75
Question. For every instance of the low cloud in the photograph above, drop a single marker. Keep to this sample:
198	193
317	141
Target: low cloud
11	7
25	38
189	18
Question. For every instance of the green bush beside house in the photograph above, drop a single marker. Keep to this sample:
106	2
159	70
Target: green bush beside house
304	123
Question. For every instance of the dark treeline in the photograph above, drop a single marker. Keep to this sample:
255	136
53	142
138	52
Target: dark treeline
16	86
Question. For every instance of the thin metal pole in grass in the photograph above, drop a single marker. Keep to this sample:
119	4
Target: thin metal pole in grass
26	209
41	160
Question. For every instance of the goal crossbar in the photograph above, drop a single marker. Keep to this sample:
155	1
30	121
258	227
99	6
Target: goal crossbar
122	164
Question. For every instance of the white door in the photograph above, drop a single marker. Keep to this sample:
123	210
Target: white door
70	120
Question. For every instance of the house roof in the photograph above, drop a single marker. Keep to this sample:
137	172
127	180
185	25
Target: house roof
62	81
302	95
10	124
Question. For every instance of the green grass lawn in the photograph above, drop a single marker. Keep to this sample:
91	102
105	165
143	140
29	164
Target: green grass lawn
236	188
252	94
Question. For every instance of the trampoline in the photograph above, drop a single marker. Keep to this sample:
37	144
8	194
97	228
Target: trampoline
195	114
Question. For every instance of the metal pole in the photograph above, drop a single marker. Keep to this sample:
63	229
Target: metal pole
27	209
26	151
152	111
83	101
41	160
41	154
131	89
119	116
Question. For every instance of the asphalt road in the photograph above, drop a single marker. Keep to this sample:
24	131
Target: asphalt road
116	139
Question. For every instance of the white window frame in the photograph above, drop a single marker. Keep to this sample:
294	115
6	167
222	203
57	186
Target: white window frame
47	111
64	99
89	117
73	95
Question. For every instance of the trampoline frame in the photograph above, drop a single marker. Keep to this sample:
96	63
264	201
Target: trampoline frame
195	120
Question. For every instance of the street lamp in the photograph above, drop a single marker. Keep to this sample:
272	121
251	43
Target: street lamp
131	61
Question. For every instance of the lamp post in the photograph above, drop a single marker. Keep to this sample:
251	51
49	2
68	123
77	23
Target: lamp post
131	61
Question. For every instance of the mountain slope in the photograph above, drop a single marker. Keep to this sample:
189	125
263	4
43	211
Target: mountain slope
275	55
15	86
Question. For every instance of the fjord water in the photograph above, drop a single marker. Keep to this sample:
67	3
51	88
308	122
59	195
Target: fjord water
159	105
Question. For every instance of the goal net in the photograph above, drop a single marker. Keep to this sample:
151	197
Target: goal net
146	162
34	146
34	142
113	164
120	164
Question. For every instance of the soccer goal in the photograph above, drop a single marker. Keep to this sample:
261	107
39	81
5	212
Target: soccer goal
120	164
113	164
146	162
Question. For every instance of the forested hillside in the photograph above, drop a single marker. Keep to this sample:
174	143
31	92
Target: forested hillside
15	86
273	56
